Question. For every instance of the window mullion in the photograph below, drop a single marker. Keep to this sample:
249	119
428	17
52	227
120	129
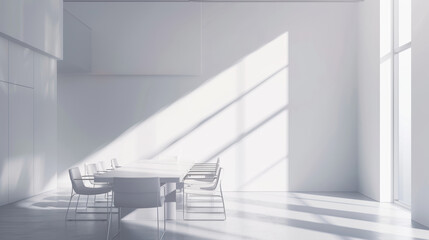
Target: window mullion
402	48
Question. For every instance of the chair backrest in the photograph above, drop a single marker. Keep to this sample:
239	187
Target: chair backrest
137	192
100	166
114	163
76	180
215	183
91	170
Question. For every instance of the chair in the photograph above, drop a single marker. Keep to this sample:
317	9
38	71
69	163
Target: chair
91	171
211	190
205	167
114	163
201	179
138	193
79	188
101	167
204	172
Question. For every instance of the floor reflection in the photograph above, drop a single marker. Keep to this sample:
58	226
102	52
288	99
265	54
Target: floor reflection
250	215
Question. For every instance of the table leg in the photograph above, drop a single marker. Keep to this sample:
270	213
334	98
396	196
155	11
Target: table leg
170	201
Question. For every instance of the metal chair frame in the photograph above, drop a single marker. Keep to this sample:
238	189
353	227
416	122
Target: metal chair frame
73	194
202	192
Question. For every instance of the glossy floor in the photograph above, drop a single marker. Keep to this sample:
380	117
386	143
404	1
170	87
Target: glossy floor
251	215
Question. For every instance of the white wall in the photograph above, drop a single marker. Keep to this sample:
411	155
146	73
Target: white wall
4	143
295	131
30	44
77	42
28	123
420	112
4	60
20	65
125	40
36	24
20	161
45	123
369	98
375	100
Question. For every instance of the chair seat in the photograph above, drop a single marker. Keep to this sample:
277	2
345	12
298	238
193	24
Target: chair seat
95	191
101	183
197	184
200	188
200	192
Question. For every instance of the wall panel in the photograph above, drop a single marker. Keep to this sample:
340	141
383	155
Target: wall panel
20	142
142	38
37	23
20	65
77	42
369	98
4	61
45	123
4	143
30	44
420	112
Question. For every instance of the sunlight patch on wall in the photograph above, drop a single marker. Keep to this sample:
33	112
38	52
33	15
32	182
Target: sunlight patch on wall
240	115
386	107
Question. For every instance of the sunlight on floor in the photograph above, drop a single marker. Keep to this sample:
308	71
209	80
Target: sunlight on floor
250	215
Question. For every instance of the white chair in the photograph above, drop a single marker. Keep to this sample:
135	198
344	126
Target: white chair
201	179
204	172
79	188
114	163
138	193
101	167
205	167
212	190
91	171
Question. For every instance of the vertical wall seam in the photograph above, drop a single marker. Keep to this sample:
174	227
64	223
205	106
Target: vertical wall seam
201	39
34	120
56	122
8	124
392	81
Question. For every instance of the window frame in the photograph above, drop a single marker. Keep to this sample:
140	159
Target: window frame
394	56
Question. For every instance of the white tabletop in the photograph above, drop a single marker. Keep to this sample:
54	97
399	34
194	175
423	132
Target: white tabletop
166	170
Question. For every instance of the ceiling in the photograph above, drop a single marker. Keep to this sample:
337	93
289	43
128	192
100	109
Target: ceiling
213	0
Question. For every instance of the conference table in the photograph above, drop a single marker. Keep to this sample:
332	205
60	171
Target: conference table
169	171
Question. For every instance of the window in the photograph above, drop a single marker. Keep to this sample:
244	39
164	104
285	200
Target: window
401	50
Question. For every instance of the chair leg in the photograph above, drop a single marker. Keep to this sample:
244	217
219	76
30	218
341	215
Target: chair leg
157	223
109	219
77	204
165	219
68	208
160	236
185	207
223	201
119	220
87	199
183	202
107	208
